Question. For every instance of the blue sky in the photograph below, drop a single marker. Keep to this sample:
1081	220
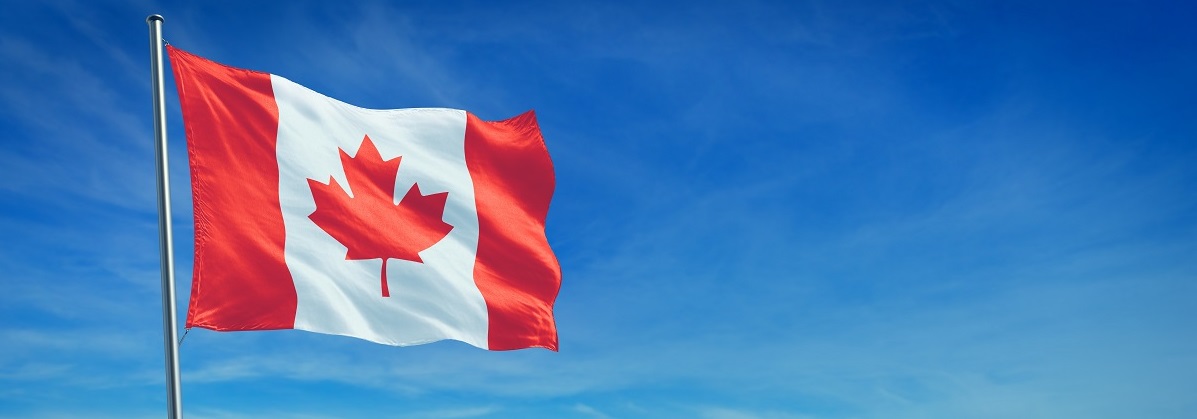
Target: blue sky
764	209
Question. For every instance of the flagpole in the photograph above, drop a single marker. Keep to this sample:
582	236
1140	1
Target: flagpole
170	335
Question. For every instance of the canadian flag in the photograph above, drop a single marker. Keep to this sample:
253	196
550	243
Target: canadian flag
401	226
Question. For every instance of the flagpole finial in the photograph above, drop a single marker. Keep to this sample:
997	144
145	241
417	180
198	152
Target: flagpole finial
154	17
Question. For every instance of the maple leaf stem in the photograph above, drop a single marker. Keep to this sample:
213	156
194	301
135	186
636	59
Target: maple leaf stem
386	291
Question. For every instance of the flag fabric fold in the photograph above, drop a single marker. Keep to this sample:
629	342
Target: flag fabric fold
401	226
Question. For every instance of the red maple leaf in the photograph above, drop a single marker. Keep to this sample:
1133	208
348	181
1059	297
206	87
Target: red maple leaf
369	223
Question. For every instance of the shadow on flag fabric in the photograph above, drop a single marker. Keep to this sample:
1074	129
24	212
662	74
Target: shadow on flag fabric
402	226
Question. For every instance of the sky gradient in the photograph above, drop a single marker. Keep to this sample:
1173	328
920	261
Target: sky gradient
764	209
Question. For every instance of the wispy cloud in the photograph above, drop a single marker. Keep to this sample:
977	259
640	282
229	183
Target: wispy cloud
64	116
713	412
590	411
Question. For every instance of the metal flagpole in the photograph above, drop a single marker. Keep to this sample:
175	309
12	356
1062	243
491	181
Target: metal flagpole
170	335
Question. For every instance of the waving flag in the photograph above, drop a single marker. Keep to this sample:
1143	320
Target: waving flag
401	226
